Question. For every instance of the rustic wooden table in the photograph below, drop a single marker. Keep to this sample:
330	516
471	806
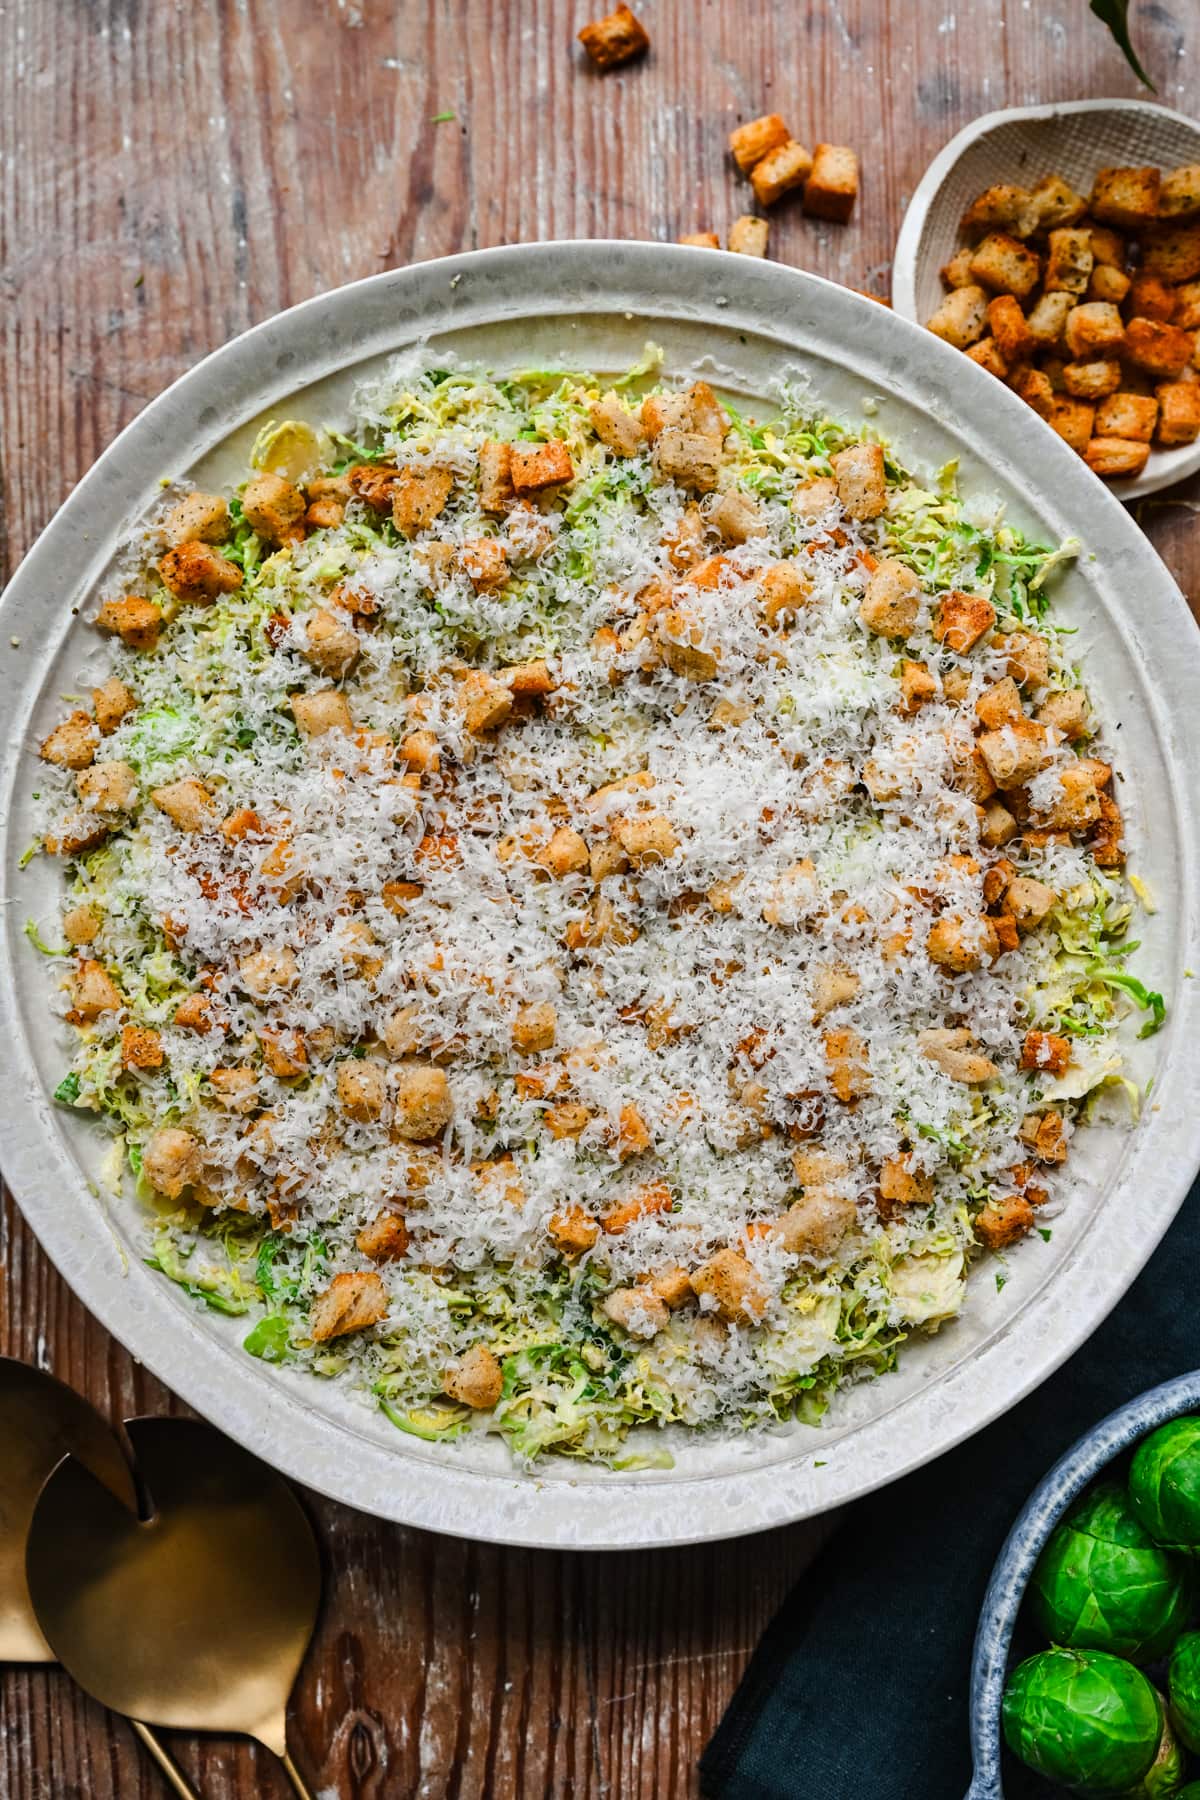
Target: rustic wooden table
169	175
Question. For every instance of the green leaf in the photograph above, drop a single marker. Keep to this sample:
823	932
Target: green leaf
36	939
67	1091
441	118
270	1340
1115	14
1145	997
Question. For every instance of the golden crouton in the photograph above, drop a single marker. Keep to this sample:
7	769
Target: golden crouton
487	703
72	745
748	236
1003	1222
833	985
1125	415
1004	264
484	561
1072	420
529	680
955	1052
672	1286
646	838
196	572
901	1183
1179	193
1015	753
1045	1052
957	272
203	516
1160	349
317	713
1047	317
534	467
424	1103
331	644
285	1053
1094	329
961	620
1003	207
749	143
736	1286
785	590
892	600
1185	306
171	1161
861	480
736	517
961	318
235	1089
690	458
632	1134
1115	458
1054	203
267	972
961	945
616	427
615	39
987	354
1043	1134
999	704
93	993
353	1301
1150	297
136	621
785	167
1173	253
1066	711
496	494
566	853
642	1202
419	750
275	508
699	240
77	834
997	826
1127	198
1179	412
1009	329
107	786
816	1224
1107	283
572	1231
849	1066
1093	380
832	187
111	702
372	483
1028	901
475	1378
195	1013
681	636
1069	262
385	1238
187	803
1076	807
1106	842
419	497
81	925
1033	387
637	1310
917	686
362	1088
534	1028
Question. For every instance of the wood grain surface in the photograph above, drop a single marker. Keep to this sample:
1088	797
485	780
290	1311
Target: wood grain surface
169	174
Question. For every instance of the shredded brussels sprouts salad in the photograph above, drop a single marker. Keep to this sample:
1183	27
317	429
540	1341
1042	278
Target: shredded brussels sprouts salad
585	910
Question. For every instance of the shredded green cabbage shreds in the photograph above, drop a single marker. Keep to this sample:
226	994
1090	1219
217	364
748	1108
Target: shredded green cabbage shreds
594	910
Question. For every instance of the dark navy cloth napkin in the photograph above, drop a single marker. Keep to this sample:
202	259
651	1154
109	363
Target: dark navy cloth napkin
859	1687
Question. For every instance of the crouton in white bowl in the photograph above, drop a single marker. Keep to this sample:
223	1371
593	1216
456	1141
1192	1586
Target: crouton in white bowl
1066	157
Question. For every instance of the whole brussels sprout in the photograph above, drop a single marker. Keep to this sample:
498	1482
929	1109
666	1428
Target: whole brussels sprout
1183	1688
1163	1778
1164	1485
1084	1719
1103	1584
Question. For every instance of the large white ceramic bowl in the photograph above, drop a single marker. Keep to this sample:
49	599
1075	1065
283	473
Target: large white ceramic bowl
1073	138
746	324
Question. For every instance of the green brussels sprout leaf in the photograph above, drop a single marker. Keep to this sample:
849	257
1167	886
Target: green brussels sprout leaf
1102	1583
1084	1719
1163	1778
1183	1688
1164	1485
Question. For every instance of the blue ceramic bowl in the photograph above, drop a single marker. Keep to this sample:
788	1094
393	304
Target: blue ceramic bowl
1045	1507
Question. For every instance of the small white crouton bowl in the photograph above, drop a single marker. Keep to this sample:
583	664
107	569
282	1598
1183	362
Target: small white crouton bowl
1072	139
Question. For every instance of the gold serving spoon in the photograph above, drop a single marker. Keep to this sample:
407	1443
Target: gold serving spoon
195	1617
41	1421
